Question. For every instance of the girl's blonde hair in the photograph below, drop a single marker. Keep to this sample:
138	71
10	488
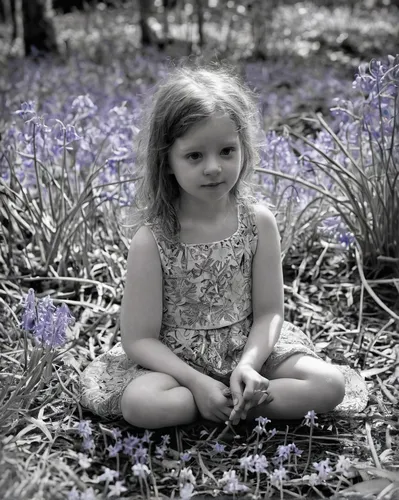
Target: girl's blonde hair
185	97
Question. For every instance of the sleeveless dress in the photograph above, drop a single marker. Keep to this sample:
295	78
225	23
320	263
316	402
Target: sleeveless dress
207	317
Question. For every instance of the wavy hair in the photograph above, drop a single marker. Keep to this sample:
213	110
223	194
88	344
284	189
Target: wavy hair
186	96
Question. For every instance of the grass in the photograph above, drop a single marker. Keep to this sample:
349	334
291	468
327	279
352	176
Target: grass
75	252
43	453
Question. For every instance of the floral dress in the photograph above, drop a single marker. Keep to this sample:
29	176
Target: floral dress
207	315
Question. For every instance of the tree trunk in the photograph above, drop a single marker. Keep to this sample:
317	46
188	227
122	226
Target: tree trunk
5	11
39	28
200	21
147	35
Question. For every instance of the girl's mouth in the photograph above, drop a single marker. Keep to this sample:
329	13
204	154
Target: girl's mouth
212	185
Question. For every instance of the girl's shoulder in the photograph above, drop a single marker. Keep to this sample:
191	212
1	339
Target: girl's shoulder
264	216
262	210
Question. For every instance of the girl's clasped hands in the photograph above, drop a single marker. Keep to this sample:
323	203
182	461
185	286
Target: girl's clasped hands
248	389
218	403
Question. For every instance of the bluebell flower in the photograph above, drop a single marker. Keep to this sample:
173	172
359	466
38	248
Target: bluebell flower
186	475
29	314
88	494
84	428
113	450
74	494
165	439
146	436
63	319
71	135
283	452
27	110
108	475
323	468
88	443
129	443
231	482
295	450
219	448
185	457
246	463
260	463
186	491
116	433
140	470
115	490
278	476
310	418
141	455
43	330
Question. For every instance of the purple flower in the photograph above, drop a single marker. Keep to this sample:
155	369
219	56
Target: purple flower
43	330
246	463
88	444
165	439
129	443
63	318
278	476
185	457
116	433
260	463
310	418
231	482
295	450
71	135
218	448
29	314
146	436
84	428
84	106
283	452
323	468
115	449
141	455
27	110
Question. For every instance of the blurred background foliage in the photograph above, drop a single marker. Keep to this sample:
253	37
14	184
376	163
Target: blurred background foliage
254	28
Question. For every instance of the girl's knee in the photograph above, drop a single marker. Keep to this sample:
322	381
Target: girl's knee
332	387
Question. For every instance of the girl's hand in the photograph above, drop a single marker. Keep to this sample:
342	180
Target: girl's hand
249	389
211	398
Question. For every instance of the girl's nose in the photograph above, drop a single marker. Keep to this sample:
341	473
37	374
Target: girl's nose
212	167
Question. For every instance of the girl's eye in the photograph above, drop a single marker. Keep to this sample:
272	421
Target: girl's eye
194	156
227	151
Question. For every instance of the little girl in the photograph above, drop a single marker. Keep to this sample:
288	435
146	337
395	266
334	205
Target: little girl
202	319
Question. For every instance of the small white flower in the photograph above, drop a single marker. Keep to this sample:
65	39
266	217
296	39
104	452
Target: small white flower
140	470
186	491
186	475
108	475
343	465
84	461
116	489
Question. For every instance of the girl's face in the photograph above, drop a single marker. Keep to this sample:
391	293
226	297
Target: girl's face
208	153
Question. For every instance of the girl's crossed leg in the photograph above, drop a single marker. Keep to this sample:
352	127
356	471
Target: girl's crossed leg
299	384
